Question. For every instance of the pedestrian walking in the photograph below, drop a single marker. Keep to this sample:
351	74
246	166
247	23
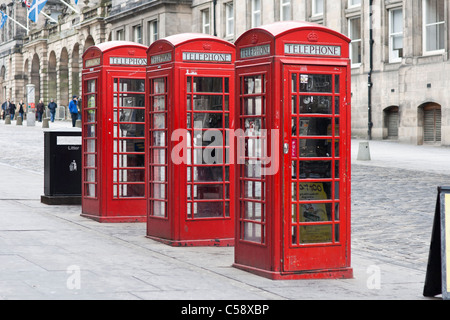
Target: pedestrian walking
52	108
40	110
12	109
5	109
73	109
21	109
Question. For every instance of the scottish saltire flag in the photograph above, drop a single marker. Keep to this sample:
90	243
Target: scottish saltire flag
35	8
4	17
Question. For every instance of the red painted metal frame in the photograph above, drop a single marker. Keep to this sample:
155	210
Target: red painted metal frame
261	51
176	226
102	206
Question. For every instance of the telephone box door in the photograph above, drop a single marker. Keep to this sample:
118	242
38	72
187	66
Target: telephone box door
315	170
157	209
127	124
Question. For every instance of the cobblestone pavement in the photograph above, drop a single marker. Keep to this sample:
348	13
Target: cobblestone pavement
392	213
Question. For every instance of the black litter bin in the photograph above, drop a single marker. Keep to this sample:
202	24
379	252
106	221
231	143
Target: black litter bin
62	167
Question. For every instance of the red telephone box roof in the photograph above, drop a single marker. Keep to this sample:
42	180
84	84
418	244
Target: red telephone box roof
110	45
124	53
179	39
191	48
280	28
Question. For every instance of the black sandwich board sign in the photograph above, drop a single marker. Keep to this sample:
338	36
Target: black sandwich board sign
438	269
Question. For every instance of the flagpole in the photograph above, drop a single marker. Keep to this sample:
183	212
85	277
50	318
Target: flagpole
73	9
19	24
47	16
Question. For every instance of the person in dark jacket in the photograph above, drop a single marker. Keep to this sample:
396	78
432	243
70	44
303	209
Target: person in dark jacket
40	110
12	109
21	109
52	108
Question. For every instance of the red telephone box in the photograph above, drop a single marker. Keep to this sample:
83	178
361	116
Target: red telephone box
190	94
113	125
293	210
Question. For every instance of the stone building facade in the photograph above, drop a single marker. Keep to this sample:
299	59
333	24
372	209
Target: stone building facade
410	52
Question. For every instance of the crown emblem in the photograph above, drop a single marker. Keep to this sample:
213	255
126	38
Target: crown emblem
313	37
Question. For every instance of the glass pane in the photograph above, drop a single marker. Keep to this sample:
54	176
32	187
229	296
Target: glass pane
159	156
316	191
206	84
252	169
131	190
159	139
90	190
336	83
159	121
205	102
90	131
315	170
132	115
132	100
253	127
129	160
159	208
253	189
90	115
159	191
435	37
253	85
130	175
159	174
131	145
90	86
210	174
253	106
159	86
208	209
130	130
159	103
90	175
208	156
315	149
253	211
315	104
315	126
132	85
208	191
315	83
315	234
91	101
90	145
208	120
252	232
435	11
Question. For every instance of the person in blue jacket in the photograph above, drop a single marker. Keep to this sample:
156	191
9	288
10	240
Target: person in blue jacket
73	109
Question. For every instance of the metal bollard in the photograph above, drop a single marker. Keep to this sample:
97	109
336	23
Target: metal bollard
45	122
364	151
